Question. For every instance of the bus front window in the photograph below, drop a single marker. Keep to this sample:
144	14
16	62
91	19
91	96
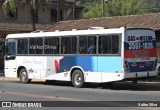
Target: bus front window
10	50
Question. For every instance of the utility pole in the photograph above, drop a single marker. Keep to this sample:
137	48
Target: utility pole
103	9
58	10
73	9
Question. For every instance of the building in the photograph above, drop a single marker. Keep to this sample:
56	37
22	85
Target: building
45	16
151	20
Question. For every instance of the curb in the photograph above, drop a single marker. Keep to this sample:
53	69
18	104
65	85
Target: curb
17	79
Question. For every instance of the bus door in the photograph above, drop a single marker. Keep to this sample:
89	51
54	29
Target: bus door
10	58
109	61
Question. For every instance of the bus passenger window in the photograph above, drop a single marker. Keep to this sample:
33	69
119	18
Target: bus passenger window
87	45
81	49
22	47
83	45
69	45
35	45
115	44
109	44
91	45
51	46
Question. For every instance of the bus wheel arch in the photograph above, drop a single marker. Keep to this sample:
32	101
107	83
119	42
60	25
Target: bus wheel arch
77	77
19	69
23	75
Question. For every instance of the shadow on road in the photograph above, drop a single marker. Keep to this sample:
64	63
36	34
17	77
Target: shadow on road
140	86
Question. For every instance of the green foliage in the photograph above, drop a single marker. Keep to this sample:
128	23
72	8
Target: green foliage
151	6
93	8
123	7
9	5
78	3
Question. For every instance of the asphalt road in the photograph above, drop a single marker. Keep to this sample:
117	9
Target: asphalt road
63	91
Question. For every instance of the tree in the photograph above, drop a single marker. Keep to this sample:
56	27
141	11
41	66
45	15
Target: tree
11	6
93	8
151	6
123	7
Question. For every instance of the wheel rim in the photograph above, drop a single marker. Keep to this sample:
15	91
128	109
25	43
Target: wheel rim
24	76
77	79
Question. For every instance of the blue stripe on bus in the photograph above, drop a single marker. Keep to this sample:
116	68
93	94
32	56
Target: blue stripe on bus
91	63
109	64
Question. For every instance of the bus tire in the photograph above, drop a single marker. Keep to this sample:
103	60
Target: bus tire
24	76
77	79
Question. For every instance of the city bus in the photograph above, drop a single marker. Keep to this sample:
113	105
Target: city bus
94	55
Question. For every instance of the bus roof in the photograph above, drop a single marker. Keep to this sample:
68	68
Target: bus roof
140	28
73	32
66	33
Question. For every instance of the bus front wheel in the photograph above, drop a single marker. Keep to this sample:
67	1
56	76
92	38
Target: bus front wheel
24	77
77	79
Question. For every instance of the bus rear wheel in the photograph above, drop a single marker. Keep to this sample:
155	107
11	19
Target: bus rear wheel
77	79
24	77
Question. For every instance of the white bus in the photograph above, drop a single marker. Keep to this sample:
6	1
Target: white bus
79	56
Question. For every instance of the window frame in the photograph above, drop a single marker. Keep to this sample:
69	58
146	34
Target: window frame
61	45
119	46
6	45
7	56
42	54
90	35
44	46
27	47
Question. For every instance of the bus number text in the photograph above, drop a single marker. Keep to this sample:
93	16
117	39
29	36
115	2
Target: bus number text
145	45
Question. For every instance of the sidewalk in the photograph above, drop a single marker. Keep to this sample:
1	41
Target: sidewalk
3	78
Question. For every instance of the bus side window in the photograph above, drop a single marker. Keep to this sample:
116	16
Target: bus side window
51	46
64	45
82	45
115	44
109	44
91	45
87	45
22	46
81	49
35	45
69	45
